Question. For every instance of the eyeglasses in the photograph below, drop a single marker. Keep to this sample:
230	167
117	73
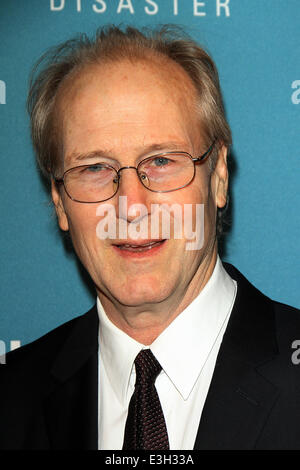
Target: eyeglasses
161	173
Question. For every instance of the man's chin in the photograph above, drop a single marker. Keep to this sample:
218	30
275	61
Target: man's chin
139	296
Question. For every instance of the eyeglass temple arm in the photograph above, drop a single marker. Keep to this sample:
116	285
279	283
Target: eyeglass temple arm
202	157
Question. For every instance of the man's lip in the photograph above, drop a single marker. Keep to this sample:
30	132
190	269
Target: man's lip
137	243
139	251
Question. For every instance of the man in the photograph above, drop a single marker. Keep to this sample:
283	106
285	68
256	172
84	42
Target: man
127	125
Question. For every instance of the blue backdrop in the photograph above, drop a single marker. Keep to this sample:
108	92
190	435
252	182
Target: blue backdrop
255	44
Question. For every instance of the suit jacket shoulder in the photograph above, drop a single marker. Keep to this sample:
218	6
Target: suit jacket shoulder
254	397
42	350
37	384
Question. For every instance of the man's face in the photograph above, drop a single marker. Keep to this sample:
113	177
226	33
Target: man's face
128	112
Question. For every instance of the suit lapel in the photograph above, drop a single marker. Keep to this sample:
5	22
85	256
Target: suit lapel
240	396
71	408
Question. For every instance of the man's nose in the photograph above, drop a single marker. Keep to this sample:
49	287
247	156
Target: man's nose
130	186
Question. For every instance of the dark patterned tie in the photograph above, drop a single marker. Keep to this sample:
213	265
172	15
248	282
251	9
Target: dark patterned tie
145	426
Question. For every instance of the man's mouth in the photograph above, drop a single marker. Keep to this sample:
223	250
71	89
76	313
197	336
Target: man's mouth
139	247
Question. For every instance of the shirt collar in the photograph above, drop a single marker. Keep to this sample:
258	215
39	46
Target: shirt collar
117	353
189	339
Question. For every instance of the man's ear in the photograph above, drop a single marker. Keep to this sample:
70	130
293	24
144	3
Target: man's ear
221	177
59	207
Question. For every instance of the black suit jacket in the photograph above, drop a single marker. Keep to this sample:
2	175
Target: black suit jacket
49	388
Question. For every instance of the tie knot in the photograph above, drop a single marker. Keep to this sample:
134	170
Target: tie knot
147	366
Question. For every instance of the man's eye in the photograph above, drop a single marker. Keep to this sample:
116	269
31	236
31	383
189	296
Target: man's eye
95	168
161	161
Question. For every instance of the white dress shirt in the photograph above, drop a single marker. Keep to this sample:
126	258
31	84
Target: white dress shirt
187	351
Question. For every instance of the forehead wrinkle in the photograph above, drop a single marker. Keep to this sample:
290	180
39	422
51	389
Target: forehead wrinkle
173	82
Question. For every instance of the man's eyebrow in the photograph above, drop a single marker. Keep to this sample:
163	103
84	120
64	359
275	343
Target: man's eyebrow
164	146
89	155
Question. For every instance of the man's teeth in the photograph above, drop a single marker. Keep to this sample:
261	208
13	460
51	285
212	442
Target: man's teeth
146	245
139	246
